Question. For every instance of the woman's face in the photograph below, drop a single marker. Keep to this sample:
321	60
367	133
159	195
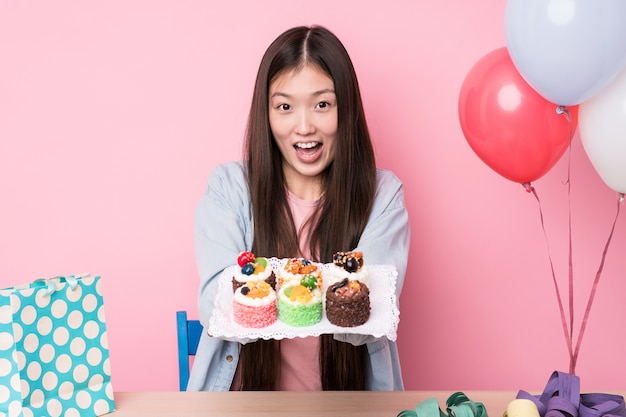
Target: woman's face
303	119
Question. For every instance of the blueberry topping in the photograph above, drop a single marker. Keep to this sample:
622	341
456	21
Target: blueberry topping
351	265
248	269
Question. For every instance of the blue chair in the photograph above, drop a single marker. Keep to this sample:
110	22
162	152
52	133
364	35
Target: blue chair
189	332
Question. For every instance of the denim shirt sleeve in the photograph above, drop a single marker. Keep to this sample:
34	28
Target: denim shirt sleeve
386	237
222	230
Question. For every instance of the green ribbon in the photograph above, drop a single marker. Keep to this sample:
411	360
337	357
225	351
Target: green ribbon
457	405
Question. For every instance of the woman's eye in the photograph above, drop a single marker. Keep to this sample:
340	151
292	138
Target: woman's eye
323	104
284	107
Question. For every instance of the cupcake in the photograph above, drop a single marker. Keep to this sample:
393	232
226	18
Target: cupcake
348	265
252	268
254	305
296	269
348	303
300	303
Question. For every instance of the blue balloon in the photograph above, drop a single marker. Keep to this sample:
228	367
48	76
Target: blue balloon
567	50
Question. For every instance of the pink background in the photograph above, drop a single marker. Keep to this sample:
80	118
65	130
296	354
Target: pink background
113	114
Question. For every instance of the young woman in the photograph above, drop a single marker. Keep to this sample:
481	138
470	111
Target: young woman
308	187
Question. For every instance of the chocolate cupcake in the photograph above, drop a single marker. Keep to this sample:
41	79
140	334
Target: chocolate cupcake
348	303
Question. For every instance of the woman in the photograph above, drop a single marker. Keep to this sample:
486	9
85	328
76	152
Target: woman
309	187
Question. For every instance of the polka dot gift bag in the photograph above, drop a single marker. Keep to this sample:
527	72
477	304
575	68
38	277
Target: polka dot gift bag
54	355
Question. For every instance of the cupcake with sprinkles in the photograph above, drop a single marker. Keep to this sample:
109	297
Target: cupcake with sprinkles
348	303
300	303
252	268
296	269
254	305
348	265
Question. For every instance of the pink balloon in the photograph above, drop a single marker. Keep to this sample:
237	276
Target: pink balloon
514	130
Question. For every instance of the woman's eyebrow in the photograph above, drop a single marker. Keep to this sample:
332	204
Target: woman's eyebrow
313	94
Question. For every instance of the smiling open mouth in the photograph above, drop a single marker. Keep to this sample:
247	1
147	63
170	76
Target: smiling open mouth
307	147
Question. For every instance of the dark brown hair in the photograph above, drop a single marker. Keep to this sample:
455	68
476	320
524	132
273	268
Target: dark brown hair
349	188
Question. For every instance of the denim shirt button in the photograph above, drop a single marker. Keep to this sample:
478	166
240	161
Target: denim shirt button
229	358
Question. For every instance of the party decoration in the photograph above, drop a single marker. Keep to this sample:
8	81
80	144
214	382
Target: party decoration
514	130
603	132
567	50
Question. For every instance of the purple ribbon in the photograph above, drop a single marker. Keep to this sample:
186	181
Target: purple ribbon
562	398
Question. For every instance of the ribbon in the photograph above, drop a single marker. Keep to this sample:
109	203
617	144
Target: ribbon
562	398
457	405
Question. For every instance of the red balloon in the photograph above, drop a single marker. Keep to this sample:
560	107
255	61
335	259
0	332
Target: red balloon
513	129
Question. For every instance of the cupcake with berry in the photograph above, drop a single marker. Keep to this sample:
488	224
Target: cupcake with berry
348	296
300	302
348	265
252	268
296	269
254	305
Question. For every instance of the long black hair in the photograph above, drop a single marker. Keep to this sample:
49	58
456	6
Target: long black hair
349	187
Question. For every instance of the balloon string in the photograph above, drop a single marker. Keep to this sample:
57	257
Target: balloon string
592	294
566	332
564	111
569	335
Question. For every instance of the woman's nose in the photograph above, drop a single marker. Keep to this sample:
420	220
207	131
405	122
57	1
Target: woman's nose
304	123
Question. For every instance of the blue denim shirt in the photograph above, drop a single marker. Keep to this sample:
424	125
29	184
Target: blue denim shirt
223	228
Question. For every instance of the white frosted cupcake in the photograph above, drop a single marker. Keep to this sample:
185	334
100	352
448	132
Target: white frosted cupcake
348	265
254	305
251	268
296	269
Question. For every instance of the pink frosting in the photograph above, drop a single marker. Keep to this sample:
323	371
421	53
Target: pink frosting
254	317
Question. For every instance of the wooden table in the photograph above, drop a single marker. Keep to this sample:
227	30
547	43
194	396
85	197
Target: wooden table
276	404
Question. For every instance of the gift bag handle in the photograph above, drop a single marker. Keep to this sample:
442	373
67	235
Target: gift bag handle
50	283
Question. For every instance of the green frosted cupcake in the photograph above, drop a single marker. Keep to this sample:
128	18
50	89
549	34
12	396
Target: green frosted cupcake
299	306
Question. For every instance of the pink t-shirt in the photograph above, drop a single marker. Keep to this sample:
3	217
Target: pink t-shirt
300	368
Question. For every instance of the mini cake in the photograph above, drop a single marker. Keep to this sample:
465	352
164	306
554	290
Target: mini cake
348	303
300	304
296	269
254	304
251	268
348	265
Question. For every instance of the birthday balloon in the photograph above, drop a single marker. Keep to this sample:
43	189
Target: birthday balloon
513	129
567	50
602	122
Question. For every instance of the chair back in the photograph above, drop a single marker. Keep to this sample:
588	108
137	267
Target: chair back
189	332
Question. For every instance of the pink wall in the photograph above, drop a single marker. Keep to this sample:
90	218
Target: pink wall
112	115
